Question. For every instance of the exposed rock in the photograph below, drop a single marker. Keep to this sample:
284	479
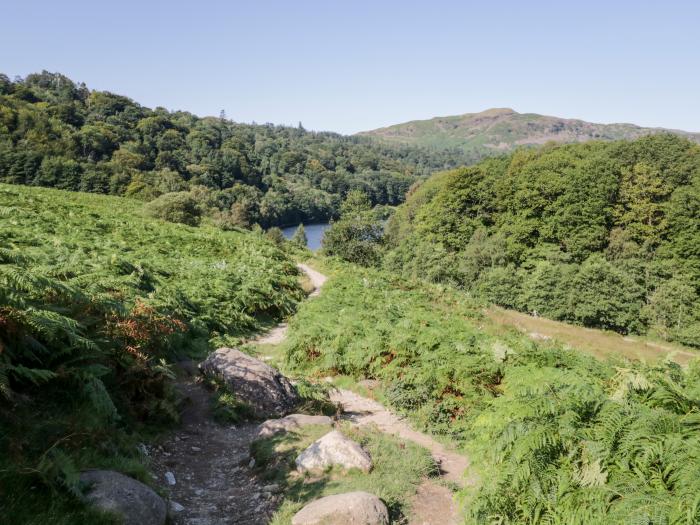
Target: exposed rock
259	385
170	478
290	423
135	502
176	507
352	508
334	449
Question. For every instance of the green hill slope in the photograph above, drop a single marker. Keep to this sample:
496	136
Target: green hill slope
96	301
501	130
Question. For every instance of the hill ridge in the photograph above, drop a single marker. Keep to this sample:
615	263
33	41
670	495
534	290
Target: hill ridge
499	130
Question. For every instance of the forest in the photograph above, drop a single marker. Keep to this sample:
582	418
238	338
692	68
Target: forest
57	133
605	235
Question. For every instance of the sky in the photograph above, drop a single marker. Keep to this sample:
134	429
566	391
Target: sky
358	65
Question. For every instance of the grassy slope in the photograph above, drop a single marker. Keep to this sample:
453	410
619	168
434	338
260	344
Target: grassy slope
497	131
556	435
122	282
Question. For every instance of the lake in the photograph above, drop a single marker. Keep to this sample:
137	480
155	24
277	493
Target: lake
314	234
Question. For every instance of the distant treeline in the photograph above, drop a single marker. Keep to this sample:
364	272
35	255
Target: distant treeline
57	133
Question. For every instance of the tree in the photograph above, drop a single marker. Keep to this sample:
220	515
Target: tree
299	237
275	235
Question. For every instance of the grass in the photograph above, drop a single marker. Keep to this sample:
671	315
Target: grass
399	467
601	344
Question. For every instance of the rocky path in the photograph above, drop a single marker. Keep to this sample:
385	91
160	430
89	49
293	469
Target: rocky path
210	465
206	466
433	503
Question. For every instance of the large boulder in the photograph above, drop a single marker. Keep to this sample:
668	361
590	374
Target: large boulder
135	502
262	387
334	449
352	508
290	423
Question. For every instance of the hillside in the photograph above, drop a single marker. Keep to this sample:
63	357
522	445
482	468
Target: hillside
57	133
605	235
501	130
96	303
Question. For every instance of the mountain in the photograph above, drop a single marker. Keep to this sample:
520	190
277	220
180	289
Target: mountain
500	130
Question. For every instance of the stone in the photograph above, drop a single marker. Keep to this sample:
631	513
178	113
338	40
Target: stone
170	478
253	382
176	507
351	508
290	423
334	449
134	502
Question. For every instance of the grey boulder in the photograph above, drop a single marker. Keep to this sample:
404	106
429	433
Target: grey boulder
333	449
136	503
290	423
255	383
352	508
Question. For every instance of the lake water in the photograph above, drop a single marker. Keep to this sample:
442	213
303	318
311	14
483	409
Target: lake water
314	234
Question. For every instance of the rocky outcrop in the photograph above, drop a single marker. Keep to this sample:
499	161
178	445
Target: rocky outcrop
260	386
290	423
135	502
352	508
334	449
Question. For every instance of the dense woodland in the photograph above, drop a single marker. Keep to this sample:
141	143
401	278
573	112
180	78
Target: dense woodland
56	133
602	234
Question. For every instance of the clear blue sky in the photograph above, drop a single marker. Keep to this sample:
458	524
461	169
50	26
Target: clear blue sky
355	65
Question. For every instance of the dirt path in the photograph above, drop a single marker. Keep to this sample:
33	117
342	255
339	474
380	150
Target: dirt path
210	462
214	481
277	334
433	503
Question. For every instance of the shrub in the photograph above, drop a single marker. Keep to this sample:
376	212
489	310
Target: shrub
180	207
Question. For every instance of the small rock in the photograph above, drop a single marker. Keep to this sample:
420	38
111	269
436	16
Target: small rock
251	463
176	507
344	509
274	488
136	503
195	449
170	478
199	492
142	448
333	449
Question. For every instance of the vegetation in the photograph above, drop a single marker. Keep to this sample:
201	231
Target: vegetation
559	436
494	132
96	300
357	237
56	133
299	238
399	467
601	234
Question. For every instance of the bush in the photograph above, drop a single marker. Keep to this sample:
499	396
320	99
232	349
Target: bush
180	207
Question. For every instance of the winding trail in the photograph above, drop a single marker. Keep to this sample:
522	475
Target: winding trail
433	503
211	465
